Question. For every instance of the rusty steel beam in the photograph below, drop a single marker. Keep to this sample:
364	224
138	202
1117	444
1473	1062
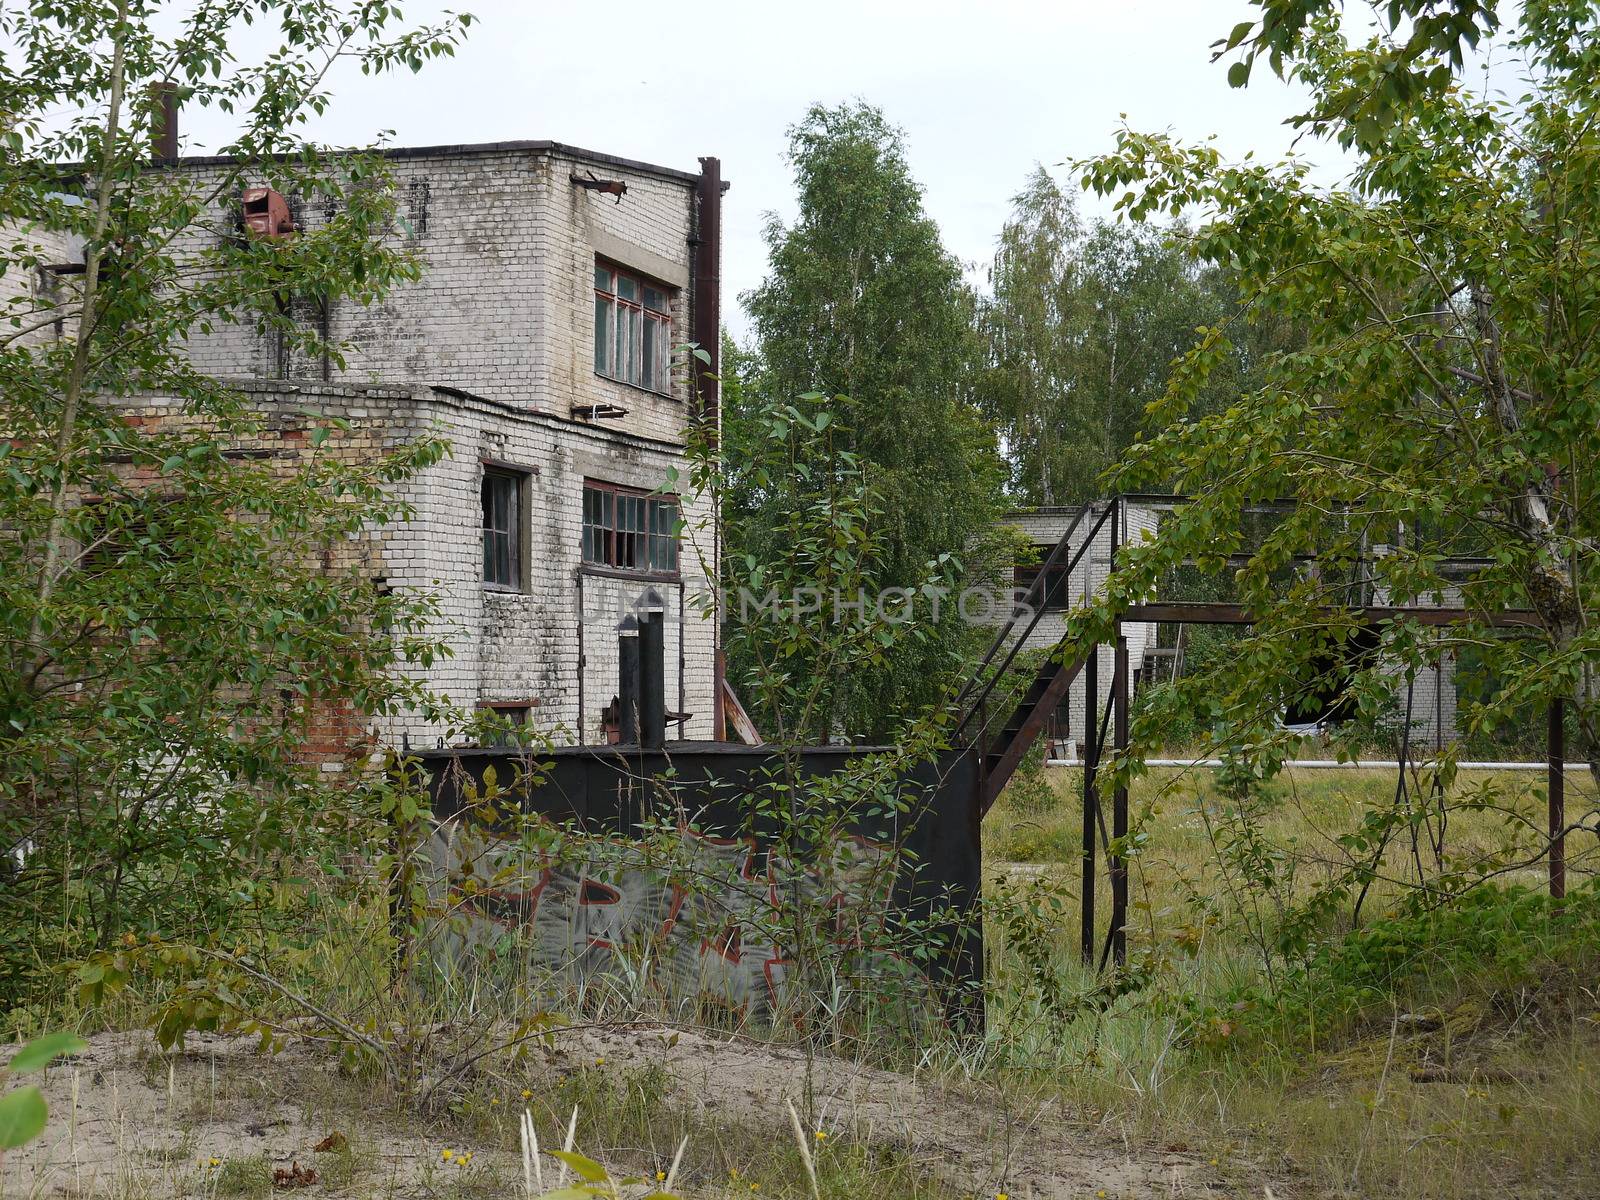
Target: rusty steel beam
995	777
1184	612
1558	800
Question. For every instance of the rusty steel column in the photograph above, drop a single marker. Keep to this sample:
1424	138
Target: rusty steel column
704	375
1558	800
1119	808
164	121
1091	797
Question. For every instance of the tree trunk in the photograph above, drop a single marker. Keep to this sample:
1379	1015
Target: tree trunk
1550	590
49	568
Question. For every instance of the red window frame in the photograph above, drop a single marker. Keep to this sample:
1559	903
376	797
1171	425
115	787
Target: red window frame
647	543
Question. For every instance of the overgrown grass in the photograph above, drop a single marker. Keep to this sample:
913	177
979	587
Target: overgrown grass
1447	1052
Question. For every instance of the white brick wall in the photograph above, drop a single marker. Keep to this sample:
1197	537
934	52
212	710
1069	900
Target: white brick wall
503	319
509	647
505	306
29	295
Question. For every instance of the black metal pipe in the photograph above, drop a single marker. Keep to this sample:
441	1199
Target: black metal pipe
652	680
628	685
1091	798
1558	799
1119	809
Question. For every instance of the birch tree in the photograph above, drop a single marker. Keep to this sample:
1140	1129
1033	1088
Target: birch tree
1446	403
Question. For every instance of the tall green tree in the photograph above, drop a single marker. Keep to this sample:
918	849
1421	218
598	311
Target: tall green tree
170	613
864	304
1080	330
1447	398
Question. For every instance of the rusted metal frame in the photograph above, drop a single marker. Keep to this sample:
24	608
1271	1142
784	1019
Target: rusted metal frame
1557	787
1119	809
1038	613
1091	803
1011	623
1198	612
994	778
1159	500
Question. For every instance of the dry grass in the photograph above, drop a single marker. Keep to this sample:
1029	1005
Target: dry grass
1491	1094
1480	1091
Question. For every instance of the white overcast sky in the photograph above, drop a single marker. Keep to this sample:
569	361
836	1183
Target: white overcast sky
983	91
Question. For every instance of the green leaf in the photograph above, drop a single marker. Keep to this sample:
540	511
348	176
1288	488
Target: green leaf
587	1167
39	1052
1239	74
22	1117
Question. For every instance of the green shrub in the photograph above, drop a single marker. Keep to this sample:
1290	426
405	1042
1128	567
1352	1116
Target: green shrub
1489	940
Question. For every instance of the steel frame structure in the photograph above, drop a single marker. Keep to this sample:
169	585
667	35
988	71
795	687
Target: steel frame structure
997	760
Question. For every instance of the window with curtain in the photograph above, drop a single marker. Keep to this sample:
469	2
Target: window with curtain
502	529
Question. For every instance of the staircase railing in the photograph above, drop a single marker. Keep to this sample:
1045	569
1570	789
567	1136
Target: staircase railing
1041	583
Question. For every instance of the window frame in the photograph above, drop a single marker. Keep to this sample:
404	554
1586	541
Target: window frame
651	504
516	534
640	318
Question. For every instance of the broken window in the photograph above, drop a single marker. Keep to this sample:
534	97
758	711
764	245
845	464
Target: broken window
632	329
629	529
502	529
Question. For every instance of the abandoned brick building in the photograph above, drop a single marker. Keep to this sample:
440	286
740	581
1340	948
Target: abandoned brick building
539	341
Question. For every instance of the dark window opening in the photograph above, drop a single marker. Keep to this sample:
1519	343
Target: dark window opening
632	329
502	529
1054	593
629	529
513	719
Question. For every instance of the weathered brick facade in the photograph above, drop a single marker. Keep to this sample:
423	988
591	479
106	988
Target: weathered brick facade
493	349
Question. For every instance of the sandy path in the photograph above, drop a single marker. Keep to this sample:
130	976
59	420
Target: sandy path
123	1125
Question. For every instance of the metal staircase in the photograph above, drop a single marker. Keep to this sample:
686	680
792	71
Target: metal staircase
1002	746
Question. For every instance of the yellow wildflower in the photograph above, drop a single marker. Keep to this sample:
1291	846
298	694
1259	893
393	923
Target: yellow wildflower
526	1094
447	1155
660	1175
822	1135
216	1162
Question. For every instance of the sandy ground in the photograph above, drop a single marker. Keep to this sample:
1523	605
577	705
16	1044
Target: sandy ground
127	1122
